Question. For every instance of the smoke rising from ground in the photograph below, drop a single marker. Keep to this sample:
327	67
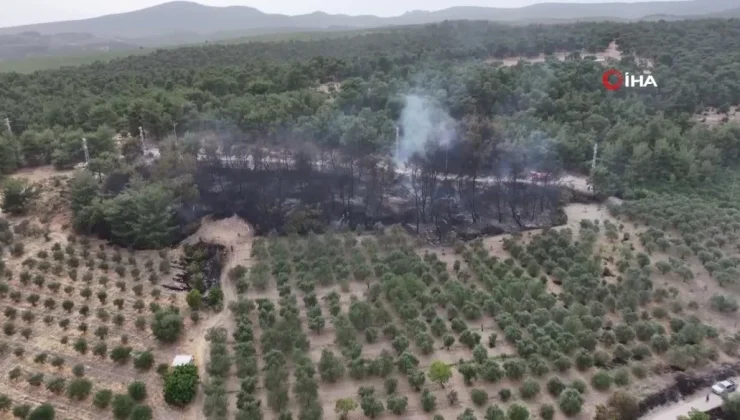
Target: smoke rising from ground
422	122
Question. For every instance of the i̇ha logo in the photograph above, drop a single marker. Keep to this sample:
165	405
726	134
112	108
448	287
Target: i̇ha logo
613	79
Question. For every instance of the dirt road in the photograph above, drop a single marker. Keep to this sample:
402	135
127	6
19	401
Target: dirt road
682	408
234	233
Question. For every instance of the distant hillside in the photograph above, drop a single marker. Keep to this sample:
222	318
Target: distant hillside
189	17
183	22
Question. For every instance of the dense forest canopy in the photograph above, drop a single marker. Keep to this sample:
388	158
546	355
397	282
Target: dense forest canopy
268	93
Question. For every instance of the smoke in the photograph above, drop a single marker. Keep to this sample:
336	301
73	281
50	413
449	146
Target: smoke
423	122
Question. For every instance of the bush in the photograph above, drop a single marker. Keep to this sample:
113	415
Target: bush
42	412
181	385
570	402
137	391
141	412
79	388
144	360
122	405
555	386
529	389
547	412
504	394
5	402
601	380
102	398
21	411
479	396
517	412
397	404
167	326
579	386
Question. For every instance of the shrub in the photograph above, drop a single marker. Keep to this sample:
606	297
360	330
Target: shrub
529	389
5	402
547	412
102	398
137	391
122	405
181	384
397	404
579	386
479	396
504	394
141	412
517	412
167	326
601	380
79	389
21	411
42	412
555	386
144	360
570	402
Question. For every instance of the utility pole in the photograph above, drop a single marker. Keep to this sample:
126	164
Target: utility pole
7	124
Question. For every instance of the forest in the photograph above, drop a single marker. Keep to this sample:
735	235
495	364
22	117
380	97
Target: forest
506	120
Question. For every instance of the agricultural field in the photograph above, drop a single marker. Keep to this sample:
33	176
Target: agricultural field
86	326
547	322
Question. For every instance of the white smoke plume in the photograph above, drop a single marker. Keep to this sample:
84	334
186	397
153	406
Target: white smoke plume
422	122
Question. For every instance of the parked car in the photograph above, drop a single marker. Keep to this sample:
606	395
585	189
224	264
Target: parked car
724	387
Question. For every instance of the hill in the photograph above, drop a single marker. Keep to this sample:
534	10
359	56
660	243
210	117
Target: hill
188	17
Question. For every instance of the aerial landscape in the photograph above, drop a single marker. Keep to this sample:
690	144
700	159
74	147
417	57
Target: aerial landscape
471	213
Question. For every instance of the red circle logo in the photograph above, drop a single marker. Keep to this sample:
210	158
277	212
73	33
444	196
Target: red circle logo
608	83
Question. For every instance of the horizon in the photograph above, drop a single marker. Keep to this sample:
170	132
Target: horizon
34	11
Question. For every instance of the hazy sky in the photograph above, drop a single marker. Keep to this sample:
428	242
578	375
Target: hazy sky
21	12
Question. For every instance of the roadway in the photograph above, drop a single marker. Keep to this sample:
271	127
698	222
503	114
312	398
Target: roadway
682	408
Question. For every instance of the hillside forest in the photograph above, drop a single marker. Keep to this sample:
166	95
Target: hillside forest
345	96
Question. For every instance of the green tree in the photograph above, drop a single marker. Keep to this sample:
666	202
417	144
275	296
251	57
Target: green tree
344	406
167	326
43	412
570	402
141	412
181	385
122	406
142	216
517	412
440	372
17	195
194	299
137	391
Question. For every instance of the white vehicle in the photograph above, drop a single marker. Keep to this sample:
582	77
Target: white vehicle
724	387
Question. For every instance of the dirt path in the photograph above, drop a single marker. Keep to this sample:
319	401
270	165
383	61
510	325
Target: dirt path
682	408
236	235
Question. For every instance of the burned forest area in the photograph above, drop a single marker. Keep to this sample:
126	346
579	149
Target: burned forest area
298	192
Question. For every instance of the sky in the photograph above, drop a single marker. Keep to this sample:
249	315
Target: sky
36	11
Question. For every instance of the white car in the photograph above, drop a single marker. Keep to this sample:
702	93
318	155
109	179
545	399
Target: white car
724	387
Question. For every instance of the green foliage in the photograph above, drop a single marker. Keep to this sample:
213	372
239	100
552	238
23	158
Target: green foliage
17	195
141	412
137	391
79	388
570	402
478	396
42	412
167	326
122	406
181	385
440	372
102	398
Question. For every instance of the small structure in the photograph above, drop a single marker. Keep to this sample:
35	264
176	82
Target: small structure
182	359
